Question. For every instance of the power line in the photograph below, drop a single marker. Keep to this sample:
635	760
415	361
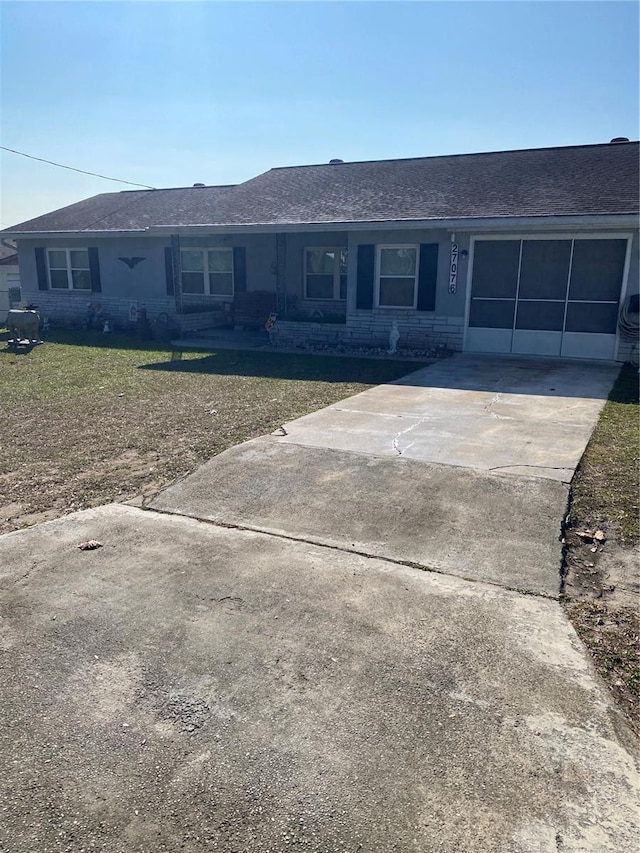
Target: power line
72	169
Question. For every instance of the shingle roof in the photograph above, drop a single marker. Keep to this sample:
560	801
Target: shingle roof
8	256
129	210
568	181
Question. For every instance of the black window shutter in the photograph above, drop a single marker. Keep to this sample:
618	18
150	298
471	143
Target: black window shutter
168	269
94	270
364	291
427	276
240	270
41	270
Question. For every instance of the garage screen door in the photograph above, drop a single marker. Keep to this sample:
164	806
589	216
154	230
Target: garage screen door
546	297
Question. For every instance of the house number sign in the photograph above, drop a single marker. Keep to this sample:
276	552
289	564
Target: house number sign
453	269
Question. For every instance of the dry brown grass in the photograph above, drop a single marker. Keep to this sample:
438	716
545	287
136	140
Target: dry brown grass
87	420
602	582
612	635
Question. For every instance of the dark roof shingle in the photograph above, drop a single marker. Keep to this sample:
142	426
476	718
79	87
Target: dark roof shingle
8	256
131	210
569	181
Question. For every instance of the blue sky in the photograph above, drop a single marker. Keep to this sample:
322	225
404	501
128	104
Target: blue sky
168	94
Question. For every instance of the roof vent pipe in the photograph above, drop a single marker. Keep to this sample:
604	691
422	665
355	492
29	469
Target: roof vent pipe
199	185
335	162
619	139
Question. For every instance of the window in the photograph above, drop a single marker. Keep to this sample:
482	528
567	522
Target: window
325	274
397	276
207	271
69	269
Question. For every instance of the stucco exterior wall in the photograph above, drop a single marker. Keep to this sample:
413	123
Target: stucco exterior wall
9	279
633	284
627	348
144	285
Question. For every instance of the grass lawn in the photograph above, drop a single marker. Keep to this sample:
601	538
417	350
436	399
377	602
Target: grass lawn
88	419
602	585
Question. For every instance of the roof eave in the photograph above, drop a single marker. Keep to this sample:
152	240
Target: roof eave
46	235
457	223
538	222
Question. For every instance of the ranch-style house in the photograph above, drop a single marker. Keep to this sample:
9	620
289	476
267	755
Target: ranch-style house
528	251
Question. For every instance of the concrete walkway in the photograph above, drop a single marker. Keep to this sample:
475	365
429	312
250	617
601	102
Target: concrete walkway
283	678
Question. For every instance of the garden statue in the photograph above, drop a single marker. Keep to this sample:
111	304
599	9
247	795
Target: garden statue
394	337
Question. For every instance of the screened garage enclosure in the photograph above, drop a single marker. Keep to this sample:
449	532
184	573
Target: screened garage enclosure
553	297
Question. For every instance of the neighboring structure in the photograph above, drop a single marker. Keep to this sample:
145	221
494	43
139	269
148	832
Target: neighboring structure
9	280
530	251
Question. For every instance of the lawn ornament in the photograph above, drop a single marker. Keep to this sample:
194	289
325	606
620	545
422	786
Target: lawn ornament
269	326
131	262
394	337
24	327
94	319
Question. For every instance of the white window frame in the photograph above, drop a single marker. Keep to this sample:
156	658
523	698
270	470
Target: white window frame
379	249
206	272
69	269
336	273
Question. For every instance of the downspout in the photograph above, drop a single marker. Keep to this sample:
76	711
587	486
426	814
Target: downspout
281	269
177	272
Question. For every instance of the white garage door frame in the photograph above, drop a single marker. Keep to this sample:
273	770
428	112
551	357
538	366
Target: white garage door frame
587	345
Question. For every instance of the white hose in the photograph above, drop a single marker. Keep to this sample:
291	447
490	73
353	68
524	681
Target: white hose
629	325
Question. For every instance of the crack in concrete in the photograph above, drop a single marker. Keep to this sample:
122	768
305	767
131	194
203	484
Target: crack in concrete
488	408
523	465
26	574
376	414
497	397
401	433
539	467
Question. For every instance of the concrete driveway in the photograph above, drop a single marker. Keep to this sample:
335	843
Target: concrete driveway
408	470
486	413
206	686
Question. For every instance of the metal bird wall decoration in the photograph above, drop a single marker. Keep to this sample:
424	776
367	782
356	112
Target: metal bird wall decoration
131	262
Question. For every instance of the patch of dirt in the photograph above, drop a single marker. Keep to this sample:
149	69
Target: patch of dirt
609	573
602	599
601	585
612	635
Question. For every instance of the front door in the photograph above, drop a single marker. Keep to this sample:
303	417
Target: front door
546	297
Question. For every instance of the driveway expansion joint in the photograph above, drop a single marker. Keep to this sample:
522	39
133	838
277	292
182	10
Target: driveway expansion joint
320	543
566	483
